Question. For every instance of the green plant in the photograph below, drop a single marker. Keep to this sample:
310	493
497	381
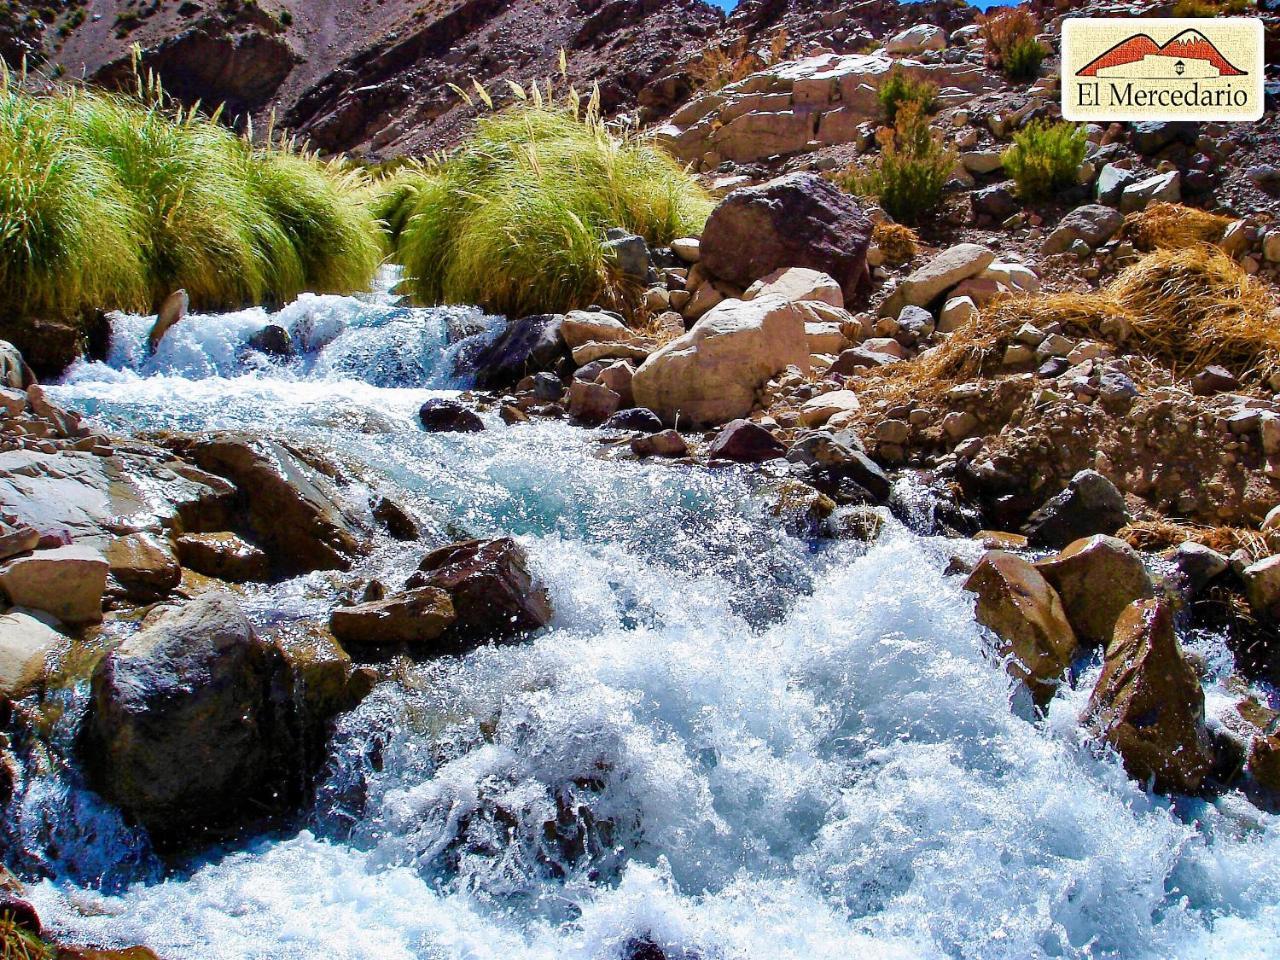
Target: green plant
1045	157
1023	58
913	166
18	943
1009	35
515	219
900	87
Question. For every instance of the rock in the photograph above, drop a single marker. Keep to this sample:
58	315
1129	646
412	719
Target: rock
802	509
412	618
588	326
1019	606
914	324
797	283
745	442
1151	136
617	377
982	162
591	402
28	645
955	313
18	540
273	340
1198	566
1096	579
799	220
637	350
1213	379
996	201
188	731
1262	585
1163	187
290	509
1093	223
493	593
939	275
66	582
858	358
223	556
668	443
958	424
547	387
629	253
442	415
1111	183
636	418
172	311
839	469
144	565
917	39
528	345
1089	505
1148	703
397	520
818	410
687	249
14	372
711	374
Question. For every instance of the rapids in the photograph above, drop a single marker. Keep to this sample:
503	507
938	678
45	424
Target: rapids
731	743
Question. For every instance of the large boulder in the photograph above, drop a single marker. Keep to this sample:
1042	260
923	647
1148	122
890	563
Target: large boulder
1149	704
1097	578
28	644
14	372
493	594
189	726
412	618
1089	505
931	281
1019	606
528	345
711	374
65	582
799	220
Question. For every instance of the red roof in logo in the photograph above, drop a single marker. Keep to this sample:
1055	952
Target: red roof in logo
1188	45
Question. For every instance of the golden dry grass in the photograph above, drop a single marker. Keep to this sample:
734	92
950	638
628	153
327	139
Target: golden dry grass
1172	226
897	242
1162	534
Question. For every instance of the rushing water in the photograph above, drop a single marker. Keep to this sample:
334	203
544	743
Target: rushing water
730	743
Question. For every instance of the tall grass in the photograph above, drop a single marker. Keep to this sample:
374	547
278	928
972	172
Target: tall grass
515	220
114	201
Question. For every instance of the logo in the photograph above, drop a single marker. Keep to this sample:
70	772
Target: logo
1162	69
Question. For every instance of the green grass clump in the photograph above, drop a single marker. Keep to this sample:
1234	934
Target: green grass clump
1045	157
110	201
911	171
899	88
515	220
1022	60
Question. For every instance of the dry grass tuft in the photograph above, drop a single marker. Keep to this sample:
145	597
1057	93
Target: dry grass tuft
897	242
1172	226
1162	534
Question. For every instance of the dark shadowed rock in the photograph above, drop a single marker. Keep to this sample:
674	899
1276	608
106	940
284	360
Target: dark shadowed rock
1089	505
1149	704
225	556
799	220
636	418
442	415
396	519
745	442
836	466
528	345
493	593
273	340
668	443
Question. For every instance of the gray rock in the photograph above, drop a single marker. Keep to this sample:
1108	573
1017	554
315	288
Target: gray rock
1092	223
1163	187
1089	505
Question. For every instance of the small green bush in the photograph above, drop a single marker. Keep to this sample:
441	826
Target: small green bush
1045	157
1022	60
913	167
899	88
515	220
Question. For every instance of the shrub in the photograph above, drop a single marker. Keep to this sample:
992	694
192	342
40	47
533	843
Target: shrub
1011	44
1171	226
1045	157
515	220
897	242
722	64
898	88
913	166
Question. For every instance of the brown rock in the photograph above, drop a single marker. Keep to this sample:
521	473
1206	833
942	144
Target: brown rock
745	442
143	564
1097	578
414	617
1017	604
666	443
1148	703
225	556
67	582
592	402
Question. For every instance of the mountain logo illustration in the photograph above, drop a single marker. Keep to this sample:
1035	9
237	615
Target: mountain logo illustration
1169	61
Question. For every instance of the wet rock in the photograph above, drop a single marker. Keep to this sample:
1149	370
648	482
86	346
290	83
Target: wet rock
592	326
493	593
1262	585
224	556
591	402
1020	607
636	418
1093	223
667	443
1197	566
745	442
1089	505
273	340
189	727
839	469
443	415
528	345
14	372
412	618
143	565
939	275
547	387
799	220
24	916
65	582
802	509
711	374
1148	703
1097	579
396	520
28	644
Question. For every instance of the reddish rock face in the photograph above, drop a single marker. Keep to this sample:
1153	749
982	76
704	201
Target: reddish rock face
799	220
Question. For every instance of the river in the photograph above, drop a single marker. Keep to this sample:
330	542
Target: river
731	742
